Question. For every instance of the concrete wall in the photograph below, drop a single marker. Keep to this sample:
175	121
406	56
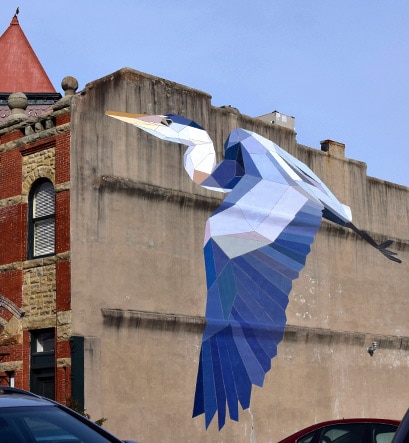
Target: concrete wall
138	283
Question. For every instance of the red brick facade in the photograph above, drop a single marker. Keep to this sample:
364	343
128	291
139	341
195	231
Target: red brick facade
24	282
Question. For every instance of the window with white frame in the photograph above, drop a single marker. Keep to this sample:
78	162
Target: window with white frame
41	233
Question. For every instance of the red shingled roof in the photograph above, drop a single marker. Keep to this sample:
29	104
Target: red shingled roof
21	71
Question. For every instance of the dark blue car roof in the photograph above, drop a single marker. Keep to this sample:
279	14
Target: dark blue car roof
12	401
12	397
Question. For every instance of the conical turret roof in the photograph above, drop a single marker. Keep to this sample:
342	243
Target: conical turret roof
20	66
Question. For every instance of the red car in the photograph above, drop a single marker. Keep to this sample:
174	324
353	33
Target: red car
402	434
352	430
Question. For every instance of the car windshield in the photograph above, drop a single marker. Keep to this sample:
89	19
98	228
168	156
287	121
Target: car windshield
45	424
351	433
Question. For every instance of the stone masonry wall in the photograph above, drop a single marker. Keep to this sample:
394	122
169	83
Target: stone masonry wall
39	297
37	165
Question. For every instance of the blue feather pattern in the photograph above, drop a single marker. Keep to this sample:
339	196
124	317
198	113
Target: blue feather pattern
248	292
245	326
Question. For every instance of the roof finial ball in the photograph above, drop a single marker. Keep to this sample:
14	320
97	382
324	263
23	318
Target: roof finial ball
17	103
69	85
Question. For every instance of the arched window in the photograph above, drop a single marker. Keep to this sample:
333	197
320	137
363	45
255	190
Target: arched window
41	229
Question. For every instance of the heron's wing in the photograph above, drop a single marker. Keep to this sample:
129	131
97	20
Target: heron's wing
248	291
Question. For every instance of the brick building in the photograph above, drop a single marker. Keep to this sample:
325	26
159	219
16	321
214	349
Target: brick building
34	219
102	286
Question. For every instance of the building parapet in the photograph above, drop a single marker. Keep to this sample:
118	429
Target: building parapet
32	138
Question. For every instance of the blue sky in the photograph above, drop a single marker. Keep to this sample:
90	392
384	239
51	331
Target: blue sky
340	68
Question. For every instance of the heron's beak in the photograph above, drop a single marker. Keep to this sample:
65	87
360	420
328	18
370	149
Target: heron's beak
142	121
125	116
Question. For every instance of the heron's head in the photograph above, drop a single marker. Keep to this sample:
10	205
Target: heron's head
168	127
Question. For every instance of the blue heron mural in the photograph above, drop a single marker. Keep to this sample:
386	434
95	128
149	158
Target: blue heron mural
255	245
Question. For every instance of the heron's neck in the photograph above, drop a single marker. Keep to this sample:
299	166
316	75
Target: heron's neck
200	161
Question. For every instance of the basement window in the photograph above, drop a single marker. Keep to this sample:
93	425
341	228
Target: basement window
41	229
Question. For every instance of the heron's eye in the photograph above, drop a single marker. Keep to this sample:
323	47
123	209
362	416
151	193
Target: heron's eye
166	121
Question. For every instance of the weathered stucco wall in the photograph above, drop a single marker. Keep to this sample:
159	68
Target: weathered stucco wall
138	283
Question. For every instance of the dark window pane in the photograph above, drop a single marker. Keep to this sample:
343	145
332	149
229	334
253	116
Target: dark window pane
307	438
383	433
44	340
343	433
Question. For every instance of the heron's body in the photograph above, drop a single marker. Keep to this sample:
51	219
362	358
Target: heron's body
255	245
